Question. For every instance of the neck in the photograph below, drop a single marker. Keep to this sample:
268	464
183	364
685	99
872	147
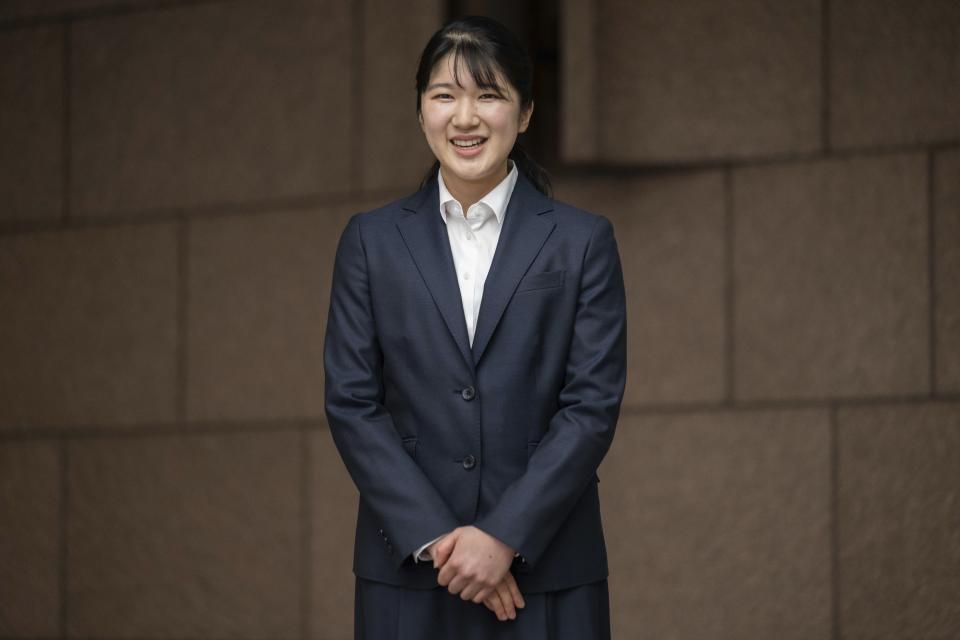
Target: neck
469	192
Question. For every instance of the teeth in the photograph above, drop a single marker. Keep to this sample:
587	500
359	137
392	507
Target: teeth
467	145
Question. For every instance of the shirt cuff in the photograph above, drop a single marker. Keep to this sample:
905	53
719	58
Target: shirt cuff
422	555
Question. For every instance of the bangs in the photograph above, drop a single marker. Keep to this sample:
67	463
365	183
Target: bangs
479	63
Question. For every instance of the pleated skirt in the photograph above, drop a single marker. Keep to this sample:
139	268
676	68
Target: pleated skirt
387	612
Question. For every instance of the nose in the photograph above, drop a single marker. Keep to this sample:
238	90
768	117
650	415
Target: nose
465	115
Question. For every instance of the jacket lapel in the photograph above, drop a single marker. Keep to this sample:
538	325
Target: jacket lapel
426	238
521	238
523	234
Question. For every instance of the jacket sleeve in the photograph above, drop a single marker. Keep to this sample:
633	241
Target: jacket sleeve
406	503
532	508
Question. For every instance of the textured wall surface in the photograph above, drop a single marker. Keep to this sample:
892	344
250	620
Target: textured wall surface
691	80
31	92
804	272
784	182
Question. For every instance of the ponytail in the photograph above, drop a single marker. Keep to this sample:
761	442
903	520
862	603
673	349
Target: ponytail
533	171
430	175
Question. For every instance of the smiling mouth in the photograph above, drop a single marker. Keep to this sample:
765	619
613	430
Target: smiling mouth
468	144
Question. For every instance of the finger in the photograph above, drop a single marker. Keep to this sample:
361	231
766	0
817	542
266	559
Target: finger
439	559
457	585
469	591
443	549
445	576
507	598
482	593
496	605
447	573
486	591
514	590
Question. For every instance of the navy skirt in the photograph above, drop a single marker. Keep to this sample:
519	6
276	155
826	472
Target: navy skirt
387	612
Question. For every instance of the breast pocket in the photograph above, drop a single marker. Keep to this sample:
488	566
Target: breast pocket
541	280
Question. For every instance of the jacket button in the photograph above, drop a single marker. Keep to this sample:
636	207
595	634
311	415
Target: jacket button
469	462
469	393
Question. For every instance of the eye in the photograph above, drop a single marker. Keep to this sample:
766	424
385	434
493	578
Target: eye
495	96
442	96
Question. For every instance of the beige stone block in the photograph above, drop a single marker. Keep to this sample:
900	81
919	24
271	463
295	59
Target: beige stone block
899	547
669	234
186	536
717	525
947	274
259	296
31	124
88	332
29	540
395	152
210	103
894	77
334	510
831	284
695	80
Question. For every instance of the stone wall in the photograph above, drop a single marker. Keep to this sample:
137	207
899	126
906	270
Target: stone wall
784	181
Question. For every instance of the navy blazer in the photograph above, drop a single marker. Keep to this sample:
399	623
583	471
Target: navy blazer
506	435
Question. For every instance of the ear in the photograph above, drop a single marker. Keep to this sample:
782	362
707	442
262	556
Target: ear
420	119
525	118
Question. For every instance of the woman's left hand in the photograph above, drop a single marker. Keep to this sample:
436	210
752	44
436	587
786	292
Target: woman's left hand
472	562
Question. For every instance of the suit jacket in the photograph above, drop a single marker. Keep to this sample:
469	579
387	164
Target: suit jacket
506	435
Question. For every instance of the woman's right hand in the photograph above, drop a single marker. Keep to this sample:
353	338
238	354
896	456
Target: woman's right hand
505	599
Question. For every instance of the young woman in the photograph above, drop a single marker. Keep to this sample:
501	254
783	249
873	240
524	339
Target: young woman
475	365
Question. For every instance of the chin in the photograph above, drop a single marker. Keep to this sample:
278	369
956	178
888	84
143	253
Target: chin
472	172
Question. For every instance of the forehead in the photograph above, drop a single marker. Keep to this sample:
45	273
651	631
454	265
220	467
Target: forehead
444	72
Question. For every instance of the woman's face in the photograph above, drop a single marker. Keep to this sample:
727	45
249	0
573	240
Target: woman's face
470	130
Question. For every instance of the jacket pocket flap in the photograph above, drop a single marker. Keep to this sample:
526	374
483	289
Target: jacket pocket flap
542	280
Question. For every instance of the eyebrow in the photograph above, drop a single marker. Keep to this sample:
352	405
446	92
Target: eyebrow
447	85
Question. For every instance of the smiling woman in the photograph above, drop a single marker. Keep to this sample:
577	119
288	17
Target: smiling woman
464	530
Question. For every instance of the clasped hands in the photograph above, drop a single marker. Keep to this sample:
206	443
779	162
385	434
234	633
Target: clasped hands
476	565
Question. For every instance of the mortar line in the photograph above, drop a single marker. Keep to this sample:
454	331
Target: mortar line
932	268
835	602
825	70
729	290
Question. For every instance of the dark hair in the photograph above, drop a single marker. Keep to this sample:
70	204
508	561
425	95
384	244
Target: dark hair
488	49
